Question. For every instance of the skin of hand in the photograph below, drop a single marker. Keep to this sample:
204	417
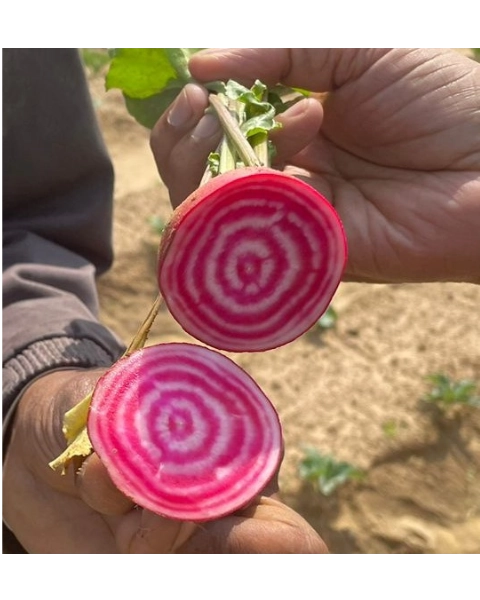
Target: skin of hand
394	145
83	512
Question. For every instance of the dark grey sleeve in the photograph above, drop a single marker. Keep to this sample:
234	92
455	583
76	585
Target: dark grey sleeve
57	219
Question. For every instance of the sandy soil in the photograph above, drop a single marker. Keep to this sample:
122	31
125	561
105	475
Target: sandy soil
353	392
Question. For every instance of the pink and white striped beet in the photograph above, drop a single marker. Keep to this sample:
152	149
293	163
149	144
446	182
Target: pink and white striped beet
184	432
251	260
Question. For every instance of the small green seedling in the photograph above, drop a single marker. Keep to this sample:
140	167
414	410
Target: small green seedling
325	473
329	319
446	392
157	224
390	429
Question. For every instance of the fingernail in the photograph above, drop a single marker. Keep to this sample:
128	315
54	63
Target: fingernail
207	127
181	111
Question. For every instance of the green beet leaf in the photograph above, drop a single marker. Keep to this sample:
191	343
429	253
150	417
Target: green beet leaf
147	111
150	79
259	114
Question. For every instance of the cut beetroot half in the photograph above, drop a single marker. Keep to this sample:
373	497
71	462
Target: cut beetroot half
251	260
184	432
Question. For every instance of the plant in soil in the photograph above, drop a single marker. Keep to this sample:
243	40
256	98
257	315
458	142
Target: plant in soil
446	392
326	473
328	320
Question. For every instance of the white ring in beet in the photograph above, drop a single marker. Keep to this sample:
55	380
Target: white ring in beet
251	260
184	432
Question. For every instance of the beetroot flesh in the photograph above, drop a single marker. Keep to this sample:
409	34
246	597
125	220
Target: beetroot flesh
184	432
251	260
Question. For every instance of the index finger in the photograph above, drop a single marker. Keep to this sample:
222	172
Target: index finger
316	69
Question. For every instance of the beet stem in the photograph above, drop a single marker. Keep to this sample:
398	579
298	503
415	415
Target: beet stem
141	336
233	131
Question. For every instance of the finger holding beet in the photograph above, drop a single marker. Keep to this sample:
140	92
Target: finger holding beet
184	136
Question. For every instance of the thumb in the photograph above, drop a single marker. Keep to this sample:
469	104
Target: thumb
316	69
137	531
143	532
96	489
266	527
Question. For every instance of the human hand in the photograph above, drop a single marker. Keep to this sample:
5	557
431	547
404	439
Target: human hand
85	514
395	146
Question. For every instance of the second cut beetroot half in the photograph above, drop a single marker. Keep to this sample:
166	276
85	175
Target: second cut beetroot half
251	260
185	432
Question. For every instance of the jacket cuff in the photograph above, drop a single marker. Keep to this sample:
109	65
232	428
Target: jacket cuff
47	355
